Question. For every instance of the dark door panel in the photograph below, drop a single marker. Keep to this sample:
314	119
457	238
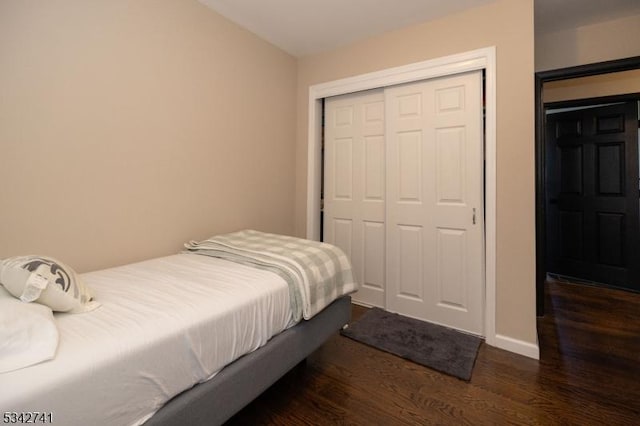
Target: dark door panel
592	203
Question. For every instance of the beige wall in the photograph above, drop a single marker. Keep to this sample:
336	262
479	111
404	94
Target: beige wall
508	25
604	41
129	127
618	83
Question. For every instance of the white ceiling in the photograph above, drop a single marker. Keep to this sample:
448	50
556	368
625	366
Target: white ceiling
305	27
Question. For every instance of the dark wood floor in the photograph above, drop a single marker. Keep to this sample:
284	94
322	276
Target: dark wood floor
588	374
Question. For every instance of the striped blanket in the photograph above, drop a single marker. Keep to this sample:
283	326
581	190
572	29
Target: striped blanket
317	273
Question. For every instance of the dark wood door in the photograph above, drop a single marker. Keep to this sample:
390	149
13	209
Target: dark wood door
592	201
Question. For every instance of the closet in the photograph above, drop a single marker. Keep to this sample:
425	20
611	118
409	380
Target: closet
403	196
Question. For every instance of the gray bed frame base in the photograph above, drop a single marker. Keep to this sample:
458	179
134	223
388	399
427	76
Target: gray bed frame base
215	401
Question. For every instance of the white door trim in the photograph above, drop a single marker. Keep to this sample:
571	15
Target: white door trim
479	59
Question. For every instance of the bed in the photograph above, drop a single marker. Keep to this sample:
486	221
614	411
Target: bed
184	339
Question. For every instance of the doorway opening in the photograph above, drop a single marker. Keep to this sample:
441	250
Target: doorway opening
541	156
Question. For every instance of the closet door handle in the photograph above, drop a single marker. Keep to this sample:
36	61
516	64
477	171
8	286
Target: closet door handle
474	216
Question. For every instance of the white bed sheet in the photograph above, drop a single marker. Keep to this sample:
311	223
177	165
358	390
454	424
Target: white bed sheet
164	325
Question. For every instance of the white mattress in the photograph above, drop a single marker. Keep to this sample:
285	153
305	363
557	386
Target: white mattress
164	325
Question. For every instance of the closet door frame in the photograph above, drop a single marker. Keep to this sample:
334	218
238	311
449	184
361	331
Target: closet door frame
480	59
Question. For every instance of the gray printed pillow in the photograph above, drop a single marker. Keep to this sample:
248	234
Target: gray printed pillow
47	281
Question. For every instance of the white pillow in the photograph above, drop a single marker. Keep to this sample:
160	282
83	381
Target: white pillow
47	281
28	333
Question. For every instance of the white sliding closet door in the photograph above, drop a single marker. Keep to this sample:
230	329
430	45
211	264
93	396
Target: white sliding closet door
434	208
354	187
403	196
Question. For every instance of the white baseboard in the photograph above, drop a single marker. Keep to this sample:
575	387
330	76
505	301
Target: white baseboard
531	350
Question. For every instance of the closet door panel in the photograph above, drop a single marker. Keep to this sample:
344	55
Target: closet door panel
355	187
434	185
